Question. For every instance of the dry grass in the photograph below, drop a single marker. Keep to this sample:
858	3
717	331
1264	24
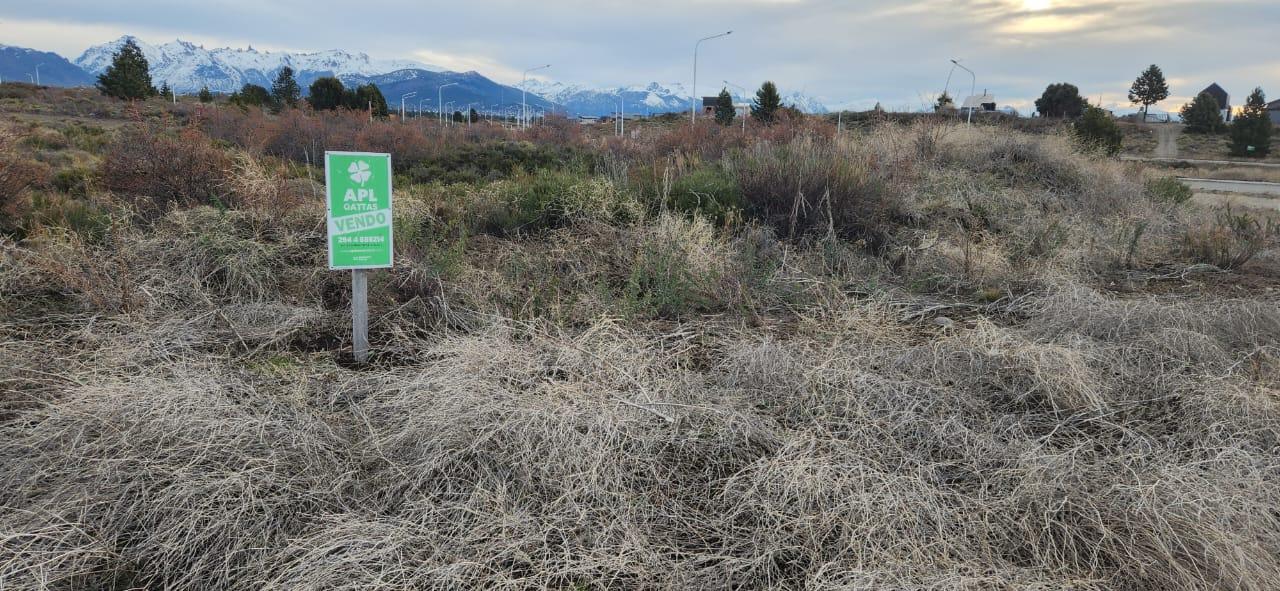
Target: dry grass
634	399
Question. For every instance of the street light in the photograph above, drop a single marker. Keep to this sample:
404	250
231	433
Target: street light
38	74
402	97
440	100
693	104
447	106
744	111
524	108
946	88
973	86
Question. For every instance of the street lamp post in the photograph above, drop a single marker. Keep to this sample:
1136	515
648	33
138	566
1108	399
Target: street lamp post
440	100
947	88
38	74
744	111
693	100
973	86
402	97
524	108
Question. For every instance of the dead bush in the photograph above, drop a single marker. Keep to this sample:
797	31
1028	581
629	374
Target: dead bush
156	169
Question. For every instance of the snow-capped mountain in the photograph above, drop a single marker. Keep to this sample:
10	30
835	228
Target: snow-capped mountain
649	98
187	67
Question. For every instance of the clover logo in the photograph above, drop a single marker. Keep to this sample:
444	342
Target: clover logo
359	171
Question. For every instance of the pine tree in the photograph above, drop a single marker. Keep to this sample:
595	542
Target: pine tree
285	90
128	76
944	102
1251	129
251	95
1149	89
1061	100
368	94
473	115
165	91
327	94
205	95
1203	114
767	103
724	108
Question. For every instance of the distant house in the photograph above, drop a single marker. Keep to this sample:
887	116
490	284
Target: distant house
984	102
709	105
1273	109
1220	95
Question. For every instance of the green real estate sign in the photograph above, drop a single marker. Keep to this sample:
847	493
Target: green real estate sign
359	194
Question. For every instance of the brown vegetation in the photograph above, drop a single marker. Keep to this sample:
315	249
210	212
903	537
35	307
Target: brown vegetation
894	358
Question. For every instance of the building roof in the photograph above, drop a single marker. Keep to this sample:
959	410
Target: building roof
1217	92
710	101
1273	105
976	101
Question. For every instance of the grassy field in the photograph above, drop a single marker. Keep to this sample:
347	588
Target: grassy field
912	356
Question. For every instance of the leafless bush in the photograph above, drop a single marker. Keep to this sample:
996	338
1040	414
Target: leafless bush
157	170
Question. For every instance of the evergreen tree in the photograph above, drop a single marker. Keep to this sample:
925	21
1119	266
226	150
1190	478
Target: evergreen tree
1149	89
369	94
767	103
165	91
205	95
1251	129
944	102
285	90
473	115
251	95
327	94
1097	129
724	107
1203	114
1061	100
128	76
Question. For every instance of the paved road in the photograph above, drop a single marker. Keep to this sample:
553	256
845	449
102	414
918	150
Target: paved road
1202	162
1243	187
1239	193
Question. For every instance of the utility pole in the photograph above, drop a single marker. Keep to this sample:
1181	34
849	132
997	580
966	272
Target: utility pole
524	108
693	106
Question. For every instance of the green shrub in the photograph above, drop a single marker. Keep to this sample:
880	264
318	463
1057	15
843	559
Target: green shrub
80	216
73	181
709	192
489	162
531	202
1168	190
1098	130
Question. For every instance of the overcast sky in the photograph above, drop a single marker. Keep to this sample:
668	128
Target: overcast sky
853	52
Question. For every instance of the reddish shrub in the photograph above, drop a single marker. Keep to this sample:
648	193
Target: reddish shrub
17	176
157	169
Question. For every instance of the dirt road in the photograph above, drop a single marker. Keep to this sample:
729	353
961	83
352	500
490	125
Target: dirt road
1167	140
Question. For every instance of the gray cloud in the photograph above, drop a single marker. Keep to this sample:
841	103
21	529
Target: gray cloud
840	50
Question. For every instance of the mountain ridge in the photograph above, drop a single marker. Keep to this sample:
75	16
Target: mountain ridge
188	67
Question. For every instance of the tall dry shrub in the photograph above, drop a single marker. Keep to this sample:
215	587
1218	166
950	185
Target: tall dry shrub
156	169
17	176
812	185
